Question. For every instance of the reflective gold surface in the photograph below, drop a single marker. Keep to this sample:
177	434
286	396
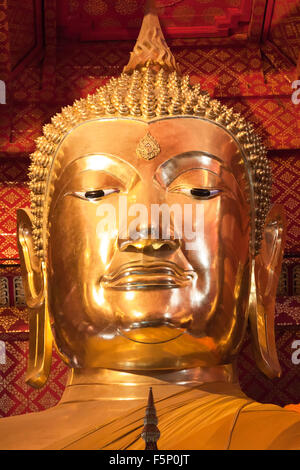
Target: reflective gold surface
103	409
169	315
265	276
150	306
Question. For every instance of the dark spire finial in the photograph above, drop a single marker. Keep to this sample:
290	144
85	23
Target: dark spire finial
150	433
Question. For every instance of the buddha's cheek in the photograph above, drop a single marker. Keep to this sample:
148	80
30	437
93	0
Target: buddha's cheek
227	323
221	264
202	253
77	257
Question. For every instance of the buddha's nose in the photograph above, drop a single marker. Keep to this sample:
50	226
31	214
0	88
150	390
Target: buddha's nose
154	233
142	242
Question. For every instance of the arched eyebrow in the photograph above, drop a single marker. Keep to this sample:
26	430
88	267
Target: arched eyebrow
104	162
192	160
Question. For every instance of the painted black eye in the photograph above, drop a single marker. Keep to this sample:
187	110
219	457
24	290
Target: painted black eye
94	194
198	192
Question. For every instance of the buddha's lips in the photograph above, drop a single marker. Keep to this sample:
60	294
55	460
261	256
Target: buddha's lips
151	276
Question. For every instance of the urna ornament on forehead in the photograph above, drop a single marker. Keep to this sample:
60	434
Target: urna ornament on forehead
149	87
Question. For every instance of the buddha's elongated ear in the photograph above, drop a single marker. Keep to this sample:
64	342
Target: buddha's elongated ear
35	287
31	266
265	274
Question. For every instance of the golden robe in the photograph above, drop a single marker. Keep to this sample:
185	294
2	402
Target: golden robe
214	416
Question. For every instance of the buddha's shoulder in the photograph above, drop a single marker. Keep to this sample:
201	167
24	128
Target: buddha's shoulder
266	426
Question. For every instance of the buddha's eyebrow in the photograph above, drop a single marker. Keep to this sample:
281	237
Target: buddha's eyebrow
187	161
103	162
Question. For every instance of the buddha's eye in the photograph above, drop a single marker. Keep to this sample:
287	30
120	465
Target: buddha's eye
99	193
203	193
198	193
96	194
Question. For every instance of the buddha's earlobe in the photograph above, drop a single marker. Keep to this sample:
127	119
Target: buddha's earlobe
35	287
31	265
265	274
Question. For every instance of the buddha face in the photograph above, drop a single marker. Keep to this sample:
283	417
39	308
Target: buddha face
151	296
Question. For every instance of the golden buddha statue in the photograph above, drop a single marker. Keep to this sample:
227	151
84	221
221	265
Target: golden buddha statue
135	302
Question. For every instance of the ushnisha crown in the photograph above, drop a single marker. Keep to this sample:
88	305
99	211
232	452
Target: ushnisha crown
150	87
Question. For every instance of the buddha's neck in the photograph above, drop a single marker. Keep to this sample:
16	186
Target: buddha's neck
105	384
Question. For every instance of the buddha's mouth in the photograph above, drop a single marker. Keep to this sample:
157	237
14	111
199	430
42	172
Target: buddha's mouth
153	275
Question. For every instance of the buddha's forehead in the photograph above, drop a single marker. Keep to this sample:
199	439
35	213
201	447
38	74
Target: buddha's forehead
120	138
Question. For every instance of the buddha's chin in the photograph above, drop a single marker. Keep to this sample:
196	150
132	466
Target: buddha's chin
152	332
149	348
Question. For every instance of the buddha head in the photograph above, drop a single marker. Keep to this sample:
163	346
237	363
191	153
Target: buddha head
151	243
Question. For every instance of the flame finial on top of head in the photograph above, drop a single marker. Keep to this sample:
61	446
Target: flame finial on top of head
151	46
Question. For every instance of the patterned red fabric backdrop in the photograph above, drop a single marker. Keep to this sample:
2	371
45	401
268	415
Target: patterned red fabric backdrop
99	19
242	52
